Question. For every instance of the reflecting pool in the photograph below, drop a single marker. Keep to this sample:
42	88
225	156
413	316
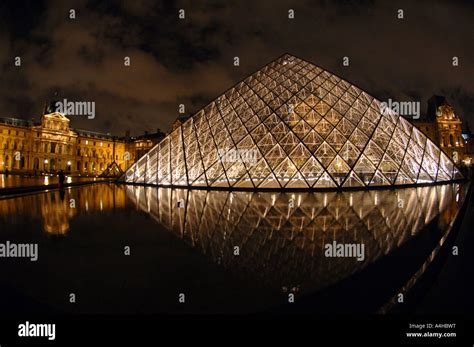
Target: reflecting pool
129	249
13	181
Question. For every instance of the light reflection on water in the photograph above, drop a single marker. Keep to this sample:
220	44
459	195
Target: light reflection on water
280	237
13	181
10	181
56	209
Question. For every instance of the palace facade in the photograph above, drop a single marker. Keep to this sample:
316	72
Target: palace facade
52	145
444	128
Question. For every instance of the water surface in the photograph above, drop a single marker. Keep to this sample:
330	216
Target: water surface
13	181
226	251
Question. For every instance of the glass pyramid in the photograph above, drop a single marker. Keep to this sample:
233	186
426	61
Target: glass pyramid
293	125
113	170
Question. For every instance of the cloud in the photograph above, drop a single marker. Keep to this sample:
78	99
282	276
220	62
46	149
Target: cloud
190	61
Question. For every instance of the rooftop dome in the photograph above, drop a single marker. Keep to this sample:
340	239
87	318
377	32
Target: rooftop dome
293	125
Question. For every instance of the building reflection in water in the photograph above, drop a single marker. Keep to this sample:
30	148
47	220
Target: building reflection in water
56	213
55	209
281	239
11	181
282	236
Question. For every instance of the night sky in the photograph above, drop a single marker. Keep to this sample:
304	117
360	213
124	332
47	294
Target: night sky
190	61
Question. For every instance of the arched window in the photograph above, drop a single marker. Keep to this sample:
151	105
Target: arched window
451	140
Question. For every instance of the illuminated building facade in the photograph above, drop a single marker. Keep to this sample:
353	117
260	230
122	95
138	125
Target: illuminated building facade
294	125
444	127
52	145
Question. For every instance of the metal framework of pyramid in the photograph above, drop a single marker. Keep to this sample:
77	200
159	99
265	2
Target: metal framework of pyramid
292	124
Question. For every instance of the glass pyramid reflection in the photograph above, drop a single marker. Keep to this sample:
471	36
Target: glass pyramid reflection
293	125
283	234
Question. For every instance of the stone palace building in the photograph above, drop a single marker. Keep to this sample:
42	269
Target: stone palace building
51	145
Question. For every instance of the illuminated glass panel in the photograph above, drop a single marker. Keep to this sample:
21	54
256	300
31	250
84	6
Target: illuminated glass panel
293	125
